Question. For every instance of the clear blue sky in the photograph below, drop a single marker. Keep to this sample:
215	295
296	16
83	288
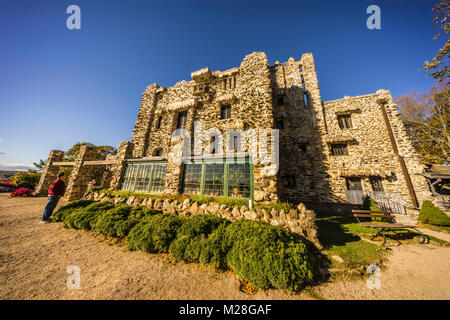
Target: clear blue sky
61	86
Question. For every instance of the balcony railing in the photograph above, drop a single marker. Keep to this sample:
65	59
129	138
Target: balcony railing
387	201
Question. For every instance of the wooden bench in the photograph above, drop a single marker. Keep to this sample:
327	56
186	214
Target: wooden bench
387	222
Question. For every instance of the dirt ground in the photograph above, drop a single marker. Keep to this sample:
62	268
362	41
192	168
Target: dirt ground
34	260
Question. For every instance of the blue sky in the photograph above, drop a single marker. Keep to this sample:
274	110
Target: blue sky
61	86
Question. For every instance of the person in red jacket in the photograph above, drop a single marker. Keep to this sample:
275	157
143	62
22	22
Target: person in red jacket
55	192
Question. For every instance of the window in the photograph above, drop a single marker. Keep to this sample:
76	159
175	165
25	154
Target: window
289	181
353	183
345	121
302	147
213	144
312	185
219	178
157	152
214	179
158	122
145	176
192	178
305	99
280	101
279	124
225	112
181	121
339	150
229	83
377	184
235	142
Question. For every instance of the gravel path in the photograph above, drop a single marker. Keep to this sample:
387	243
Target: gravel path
34	259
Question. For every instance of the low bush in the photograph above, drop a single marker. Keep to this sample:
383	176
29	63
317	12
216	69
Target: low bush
267	256
70	208
193	243
154	233
21	192
86	218
429	213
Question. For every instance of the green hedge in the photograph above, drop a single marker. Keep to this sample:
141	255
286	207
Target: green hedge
429	213
267	256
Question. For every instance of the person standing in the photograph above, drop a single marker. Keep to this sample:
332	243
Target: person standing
55	192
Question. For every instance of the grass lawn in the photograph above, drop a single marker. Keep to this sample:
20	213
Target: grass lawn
339	237
342	236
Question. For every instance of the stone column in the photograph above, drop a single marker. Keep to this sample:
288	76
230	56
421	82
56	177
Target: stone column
80	175
50	172
125	152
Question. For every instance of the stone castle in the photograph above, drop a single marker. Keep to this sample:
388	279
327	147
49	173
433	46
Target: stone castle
331	153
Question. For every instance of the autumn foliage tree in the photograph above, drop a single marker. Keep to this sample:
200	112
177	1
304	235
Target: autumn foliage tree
438	67
427	122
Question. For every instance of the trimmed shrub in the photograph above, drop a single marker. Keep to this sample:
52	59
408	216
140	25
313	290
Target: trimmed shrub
267	256
192	239
429	213
108	222
369	204
86	217
154	233
69	208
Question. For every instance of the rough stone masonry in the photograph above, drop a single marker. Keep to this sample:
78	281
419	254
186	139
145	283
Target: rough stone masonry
331	153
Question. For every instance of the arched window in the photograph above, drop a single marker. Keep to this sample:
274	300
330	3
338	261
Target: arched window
157	152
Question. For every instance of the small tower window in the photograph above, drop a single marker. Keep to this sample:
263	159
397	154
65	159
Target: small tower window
181	121
158	122
305	98
157	152
345	121
339	149
289	181
279	124
280	101
225	112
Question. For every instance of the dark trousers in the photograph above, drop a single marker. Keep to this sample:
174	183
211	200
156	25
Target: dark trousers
51	205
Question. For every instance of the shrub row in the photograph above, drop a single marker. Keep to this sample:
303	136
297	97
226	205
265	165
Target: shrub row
265	255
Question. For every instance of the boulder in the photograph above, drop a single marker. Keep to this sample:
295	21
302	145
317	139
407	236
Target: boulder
274	213
235	212
250	215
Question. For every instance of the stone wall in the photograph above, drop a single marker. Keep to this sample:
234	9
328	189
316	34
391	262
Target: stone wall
299	220
80	175
50	172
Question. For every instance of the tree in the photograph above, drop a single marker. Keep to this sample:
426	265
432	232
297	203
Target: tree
427	123
101	153
26	179
40	165
438	67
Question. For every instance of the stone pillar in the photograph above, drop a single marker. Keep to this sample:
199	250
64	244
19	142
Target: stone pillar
172	182
80	175
144	121
50	172
125	152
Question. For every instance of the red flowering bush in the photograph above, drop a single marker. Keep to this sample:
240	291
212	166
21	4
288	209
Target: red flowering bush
21	192
8	184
